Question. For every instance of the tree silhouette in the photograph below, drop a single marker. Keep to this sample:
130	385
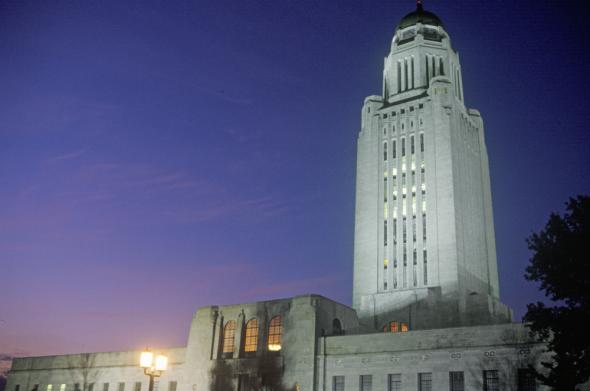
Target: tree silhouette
560	264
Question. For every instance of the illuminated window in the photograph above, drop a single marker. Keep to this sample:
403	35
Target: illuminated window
251	342
425	381
50	387
395	382
275	333
229	332
423	205
404	202
395	327
62	387
338	383
414	204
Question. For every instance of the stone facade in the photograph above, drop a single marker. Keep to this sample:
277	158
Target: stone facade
321	341
424	231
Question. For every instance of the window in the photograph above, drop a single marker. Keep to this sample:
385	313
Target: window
425	268
403	147
365	383
425	381
412	149
337	327
526	380
385	232
105	387
121	387
17	387
421	142
491	381
395	382
385	151
403	327
245	382
49	387
62	387
338	383
229	332
251	340
391	327
172	386
275	333
137	386
456	381
420	106
424	227
36	387
77	387
156	385
393	154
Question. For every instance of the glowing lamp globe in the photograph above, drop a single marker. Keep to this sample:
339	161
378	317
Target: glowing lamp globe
161	363
146	359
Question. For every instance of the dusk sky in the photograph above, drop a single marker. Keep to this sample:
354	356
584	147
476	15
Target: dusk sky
160	156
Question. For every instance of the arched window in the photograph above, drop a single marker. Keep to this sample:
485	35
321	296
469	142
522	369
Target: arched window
229	332
251	340
337	327
275	333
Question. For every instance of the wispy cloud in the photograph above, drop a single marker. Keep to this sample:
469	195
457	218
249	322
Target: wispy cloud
67	156
263	207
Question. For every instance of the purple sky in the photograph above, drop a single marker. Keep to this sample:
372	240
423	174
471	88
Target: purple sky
158	157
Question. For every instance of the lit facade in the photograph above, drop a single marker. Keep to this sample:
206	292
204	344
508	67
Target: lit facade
424	230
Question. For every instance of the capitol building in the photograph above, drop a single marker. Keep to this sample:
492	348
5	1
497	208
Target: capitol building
426	312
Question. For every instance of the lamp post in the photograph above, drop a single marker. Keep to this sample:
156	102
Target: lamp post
152	366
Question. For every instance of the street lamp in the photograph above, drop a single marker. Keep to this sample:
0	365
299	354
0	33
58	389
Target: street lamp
152	366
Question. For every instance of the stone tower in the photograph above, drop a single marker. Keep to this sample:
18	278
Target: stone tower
424	247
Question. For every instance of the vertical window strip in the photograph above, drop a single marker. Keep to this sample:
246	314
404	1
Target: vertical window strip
456	381
425	381
395	382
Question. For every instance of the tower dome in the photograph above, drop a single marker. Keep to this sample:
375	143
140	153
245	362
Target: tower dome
419	16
